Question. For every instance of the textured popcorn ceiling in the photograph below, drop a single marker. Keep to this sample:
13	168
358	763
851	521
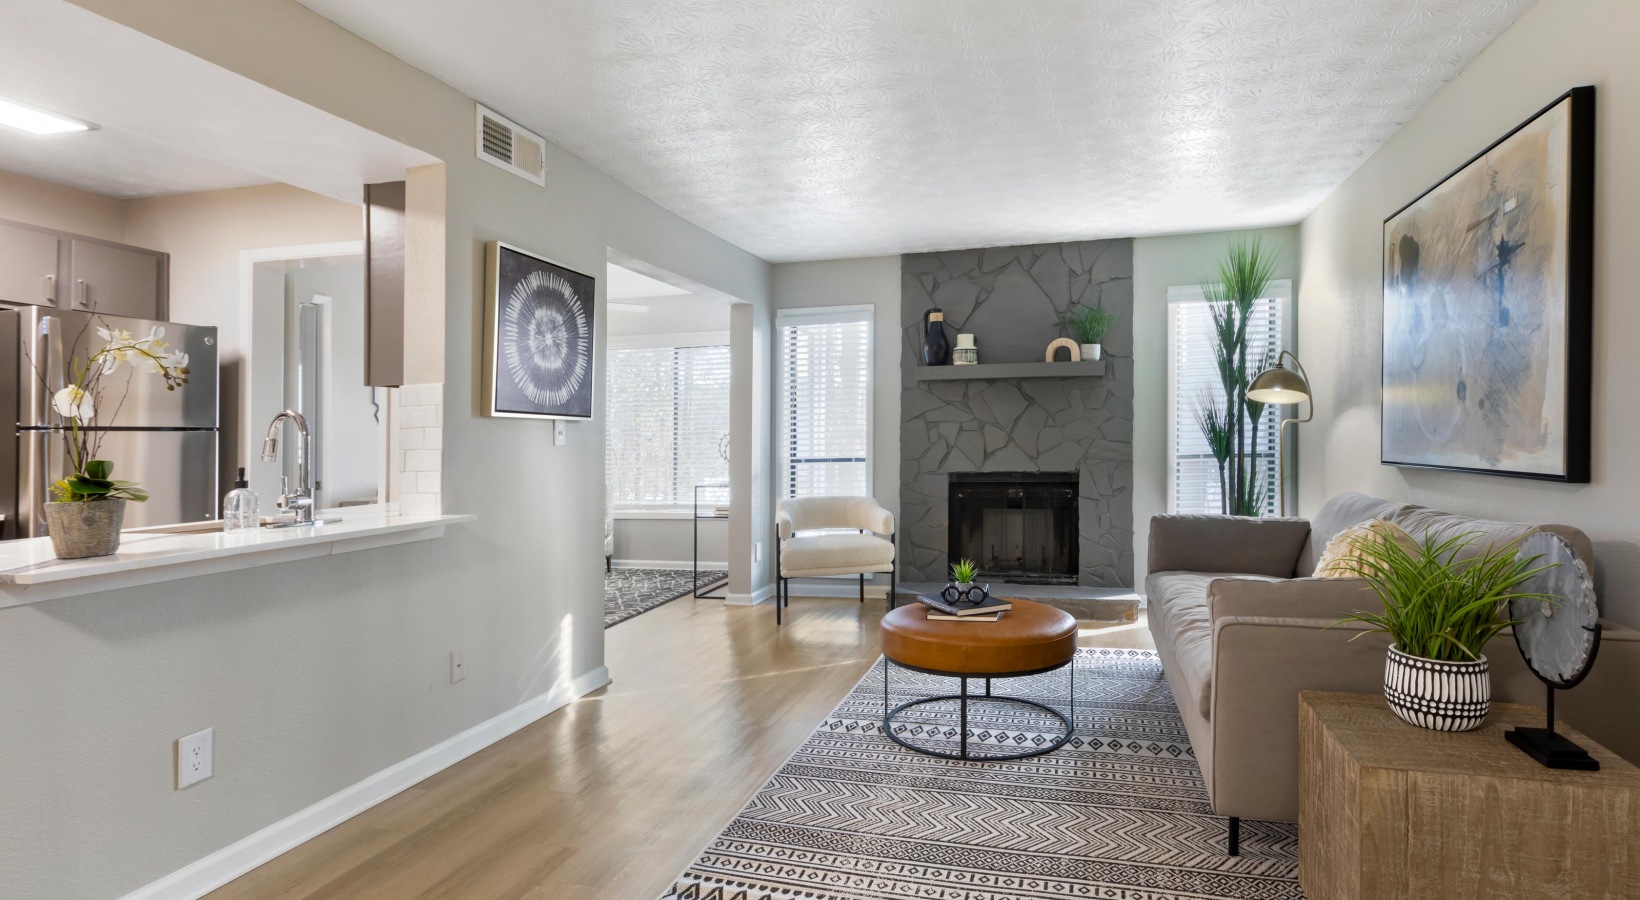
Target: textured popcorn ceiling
802	129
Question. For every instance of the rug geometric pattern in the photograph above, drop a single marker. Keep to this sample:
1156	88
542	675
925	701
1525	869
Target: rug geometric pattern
631	592
1119	812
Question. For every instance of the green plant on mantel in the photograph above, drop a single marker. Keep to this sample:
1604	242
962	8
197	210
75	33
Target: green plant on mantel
963	571
1439	604
1229	421
1090	324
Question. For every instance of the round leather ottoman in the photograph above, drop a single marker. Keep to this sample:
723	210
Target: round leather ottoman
1029	639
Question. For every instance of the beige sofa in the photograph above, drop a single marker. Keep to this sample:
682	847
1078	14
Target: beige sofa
1241	629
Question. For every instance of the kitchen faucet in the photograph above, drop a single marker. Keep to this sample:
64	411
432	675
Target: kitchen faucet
301	501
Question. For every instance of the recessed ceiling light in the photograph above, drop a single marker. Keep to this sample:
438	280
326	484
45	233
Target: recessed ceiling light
628	307
36	121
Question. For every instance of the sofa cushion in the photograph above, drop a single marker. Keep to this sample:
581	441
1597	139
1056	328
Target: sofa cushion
1339	513
1345	553
1258	546
1178	601
1420	522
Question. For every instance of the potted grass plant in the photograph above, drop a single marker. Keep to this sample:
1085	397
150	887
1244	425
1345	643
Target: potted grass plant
962	574
1090	324
88	505
1442	605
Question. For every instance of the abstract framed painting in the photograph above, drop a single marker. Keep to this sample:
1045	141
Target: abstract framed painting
1489	305
538	329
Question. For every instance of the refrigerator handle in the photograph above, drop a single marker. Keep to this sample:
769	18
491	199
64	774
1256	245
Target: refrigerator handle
54	368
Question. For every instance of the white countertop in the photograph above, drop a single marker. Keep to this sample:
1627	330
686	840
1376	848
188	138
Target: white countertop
31	572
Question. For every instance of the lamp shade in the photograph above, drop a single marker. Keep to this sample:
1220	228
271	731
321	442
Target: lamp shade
1279	386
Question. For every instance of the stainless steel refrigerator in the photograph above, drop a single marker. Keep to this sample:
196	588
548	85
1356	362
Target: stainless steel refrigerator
164	440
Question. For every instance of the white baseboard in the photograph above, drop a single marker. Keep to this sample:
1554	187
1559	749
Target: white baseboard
754	598
206	875
668	564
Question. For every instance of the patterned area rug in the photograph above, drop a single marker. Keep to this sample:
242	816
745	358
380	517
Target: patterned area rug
631	592
1119	812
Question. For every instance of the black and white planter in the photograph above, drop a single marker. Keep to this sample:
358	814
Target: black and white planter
1441	696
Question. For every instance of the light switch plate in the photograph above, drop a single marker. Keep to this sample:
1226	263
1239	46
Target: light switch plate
560	437
458	666
194	763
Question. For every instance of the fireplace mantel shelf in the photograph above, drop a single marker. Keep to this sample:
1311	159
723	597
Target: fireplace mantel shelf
1003	371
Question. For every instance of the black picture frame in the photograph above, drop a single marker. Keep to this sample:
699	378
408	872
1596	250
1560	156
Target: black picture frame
1577	287
540	353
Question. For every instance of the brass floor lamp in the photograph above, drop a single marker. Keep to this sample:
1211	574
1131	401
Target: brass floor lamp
1280	386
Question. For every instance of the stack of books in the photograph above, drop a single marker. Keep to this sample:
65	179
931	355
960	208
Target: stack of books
941	610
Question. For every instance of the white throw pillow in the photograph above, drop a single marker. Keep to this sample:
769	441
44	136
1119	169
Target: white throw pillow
1343	553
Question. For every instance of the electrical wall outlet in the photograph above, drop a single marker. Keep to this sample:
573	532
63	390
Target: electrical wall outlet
458	666
194	754
560	435
757	551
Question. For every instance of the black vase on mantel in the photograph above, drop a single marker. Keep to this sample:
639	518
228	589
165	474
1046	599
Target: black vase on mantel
936	346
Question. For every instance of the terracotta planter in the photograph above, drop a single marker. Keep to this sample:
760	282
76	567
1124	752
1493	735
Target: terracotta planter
80	530
1435	694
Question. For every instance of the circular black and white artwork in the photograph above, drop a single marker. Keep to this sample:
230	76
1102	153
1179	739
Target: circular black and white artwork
1559	638
544	341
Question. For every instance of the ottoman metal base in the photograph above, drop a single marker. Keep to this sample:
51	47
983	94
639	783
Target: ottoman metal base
963	698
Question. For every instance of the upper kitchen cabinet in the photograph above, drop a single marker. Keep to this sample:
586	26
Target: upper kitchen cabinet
117	281
28	266
42	267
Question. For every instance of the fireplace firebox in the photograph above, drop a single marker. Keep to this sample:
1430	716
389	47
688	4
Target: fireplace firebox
1019	527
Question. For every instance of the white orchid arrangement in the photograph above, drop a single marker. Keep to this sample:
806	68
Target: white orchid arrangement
77	405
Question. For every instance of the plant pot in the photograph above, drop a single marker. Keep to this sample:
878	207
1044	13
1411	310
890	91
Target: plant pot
1092	351
1435	694
83	529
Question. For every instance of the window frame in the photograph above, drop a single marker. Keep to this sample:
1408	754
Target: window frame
1279	290
816	315
682	509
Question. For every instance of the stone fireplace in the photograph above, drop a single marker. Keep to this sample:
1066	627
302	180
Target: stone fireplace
1019	527
1023	433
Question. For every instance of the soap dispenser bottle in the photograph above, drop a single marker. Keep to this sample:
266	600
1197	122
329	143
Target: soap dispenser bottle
241	509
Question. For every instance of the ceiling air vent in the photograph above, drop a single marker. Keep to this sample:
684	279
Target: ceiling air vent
503	143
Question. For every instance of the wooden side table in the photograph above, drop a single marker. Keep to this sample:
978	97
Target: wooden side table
1386	810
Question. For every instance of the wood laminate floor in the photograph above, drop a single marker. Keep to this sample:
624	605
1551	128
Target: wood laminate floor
615	794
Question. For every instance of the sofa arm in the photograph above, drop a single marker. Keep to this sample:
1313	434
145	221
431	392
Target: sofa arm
1295	598
1255	546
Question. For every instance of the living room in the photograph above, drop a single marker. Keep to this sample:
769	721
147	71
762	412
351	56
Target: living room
1220	337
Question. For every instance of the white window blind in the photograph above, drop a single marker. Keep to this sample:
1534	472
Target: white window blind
1194	485
668	414
825	400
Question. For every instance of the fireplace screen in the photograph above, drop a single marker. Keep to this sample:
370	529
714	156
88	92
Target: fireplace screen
1019	527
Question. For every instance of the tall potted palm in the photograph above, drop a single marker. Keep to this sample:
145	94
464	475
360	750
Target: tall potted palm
1229	421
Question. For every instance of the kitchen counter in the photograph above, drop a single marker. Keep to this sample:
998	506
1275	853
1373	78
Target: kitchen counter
31	572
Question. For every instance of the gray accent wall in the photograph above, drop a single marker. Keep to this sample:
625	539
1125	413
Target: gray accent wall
1013	299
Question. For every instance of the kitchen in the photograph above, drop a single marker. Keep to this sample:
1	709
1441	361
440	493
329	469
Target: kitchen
118	215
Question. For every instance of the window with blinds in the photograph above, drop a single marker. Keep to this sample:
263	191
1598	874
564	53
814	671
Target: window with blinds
824	398
1193	380
668	415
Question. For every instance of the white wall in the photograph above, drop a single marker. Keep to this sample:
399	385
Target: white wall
1556	45
873	281
318	674
1160	263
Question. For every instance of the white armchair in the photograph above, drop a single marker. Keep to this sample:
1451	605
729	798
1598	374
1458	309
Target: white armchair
869	549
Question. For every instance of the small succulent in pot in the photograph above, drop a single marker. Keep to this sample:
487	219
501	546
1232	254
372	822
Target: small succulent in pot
1090	324
963	572
89	504
1441	607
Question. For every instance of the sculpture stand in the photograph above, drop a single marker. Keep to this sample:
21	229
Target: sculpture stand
1552	750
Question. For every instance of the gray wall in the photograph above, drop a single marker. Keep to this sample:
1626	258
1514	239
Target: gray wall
1012	299
1158	264
873	281
318	674
1554	46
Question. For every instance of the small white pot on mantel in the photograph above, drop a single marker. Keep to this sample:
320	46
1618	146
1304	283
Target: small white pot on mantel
1092	351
